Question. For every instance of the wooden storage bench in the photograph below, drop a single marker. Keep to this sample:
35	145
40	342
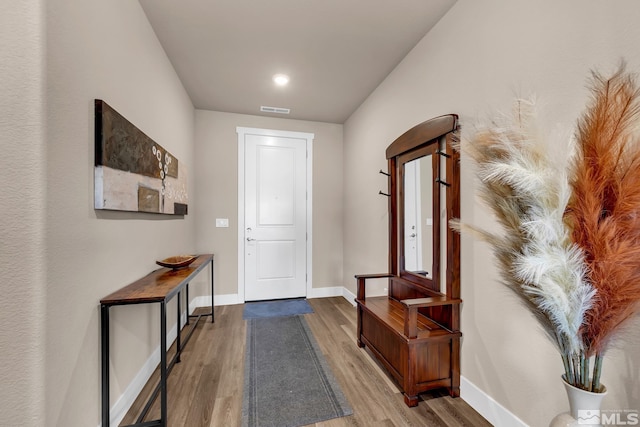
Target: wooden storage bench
417	351
414	330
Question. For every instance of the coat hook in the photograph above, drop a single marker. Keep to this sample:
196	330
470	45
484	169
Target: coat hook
384	194
439	181
384	173
442	153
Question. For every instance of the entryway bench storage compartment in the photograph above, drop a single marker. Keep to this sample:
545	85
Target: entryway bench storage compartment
414	330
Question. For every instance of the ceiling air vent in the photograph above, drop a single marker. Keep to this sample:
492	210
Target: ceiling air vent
277	110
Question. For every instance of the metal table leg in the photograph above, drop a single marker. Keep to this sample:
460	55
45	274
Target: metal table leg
163	364
212	319
187	303
104	338
178	343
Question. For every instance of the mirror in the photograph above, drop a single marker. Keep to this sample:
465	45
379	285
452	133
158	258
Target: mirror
418	217
424	184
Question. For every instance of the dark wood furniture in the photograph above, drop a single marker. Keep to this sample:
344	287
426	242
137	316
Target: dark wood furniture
159	286
414	331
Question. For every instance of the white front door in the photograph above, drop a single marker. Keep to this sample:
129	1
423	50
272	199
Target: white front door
275	216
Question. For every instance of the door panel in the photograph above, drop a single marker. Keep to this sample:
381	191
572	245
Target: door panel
275	217
276	259
276	186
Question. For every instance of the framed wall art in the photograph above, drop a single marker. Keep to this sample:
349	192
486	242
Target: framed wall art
133	172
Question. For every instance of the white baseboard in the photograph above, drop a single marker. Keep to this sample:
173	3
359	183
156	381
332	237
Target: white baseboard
202	301
486	406
349	296
205	301
346	293
332	291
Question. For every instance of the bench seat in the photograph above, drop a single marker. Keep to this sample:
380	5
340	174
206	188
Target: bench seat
417	350
391	312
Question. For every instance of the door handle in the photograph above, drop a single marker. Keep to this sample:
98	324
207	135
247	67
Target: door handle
249	239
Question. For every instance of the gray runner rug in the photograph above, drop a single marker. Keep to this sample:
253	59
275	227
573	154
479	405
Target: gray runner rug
287	381
286	307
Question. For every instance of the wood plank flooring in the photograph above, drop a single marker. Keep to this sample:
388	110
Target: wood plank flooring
205	390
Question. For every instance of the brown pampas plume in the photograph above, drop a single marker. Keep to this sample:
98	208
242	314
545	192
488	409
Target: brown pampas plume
604	210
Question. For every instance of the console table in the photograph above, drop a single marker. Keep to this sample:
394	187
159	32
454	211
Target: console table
159	286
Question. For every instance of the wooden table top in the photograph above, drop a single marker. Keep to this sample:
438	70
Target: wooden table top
157	286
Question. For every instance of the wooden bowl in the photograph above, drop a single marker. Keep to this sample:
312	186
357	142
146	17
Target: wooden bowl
178	261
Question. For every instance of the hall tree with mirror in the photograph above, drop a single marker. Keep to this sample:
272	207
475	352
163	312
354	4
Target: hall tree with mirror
414	331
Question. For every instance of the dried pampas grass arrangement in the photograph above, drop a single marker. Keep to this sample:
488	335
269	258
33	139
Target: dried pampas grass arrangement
569	247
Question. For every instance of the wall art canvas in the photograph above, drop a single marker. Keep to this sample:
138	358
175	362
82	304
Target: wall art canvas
132	171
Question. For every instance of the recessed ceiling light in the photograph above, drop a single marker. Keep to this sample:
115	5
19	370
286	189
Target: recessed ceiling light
281	79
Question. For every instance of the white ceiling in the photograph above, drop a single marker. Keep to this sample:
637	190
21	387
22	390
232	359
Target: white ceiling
335	51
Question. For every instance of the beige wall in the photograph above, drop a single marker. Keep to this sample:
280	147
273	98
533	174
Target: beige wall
103	49
217	177
473	62
22	174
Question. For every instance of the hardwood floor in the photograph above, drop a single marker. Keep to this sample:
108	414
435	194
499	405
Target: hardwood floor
205	390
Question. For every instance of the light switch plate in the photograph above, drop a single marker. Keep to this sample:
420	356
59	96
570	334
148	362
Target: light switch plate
222	222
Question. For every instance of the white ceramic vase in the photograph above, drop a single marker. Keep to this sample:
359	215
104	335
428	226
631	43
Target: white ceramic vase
584	408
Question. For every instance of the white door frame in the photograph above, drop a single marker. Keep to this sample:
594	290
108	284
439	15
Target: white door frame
242	131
